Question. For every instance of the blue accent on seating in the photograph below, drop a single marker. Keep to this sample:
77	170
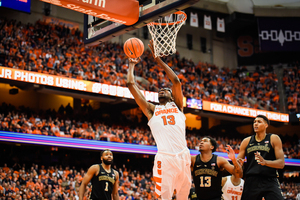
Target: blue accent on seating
96	145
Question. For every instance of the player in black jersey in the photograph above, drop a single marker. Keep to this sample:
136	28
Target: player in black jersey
206	170
104	179
264	156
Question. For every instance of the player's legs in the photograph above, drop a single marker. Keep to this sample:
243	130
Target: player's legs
252	189
157	176
164	177
182	192
183	180
272	189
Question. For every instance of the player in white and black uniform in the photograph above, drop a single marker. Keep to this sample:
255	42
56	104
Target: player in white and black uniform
167	123
232	188
104	179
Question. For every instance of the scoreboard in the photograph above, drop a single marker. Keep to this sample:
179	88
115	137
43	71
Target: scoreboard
20	5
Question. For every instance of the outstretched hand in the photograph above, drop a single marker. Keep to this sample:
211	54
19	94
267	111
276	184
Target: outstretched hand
230	152
150	45
134	61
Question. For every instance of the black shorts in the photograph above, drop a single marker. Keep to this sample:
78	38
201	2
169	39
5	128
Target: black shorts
256	187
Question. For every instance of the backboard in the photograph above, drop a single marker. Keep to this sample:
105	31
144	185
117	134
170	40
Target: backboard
98	30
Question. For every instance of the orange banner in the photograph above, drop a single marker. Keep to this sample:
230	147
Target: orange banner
119	11
70	83
53	20
243	111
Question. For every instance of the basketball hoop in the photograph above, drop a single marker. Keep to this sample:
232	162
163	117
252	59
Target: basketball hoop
164	33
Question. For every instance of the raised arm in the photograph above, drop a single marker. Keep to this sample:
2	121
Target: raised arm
279	162
146	107
86	179
243	146
176	89
235	169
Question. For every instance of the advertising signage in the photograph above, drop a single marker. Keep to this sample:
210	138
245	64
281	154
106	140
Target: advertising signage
70	83
244	111
97	145
119	91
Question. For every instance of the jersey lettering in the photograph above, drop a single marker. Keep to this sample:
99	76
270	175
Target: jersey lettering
158	164
170	119
168	128
205	181
166	111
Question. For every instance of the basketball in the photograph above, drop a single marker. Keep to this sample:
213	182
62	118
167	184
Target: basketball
133	47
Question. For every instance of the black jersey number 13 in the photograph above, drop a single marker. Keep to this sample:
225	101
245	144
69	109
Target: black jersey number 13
205	181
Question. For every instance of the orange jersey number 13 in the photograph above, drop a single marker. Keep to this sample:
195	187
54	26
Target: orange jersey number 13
170	119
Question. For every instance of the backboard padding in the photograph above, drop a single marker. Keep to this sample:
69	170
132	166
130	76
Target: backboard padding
107	30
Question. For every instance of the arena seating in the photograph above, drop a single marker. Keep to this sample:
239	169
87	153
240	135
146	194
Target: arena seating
57	50
54	123
57	182
291	82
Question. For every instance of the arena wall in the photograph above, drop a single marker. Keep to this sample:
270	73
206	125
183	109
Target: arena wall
33	99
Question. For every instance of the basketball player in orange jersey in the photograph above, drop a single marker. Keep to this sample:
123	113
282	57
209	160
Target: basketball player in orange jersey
232	187
171	168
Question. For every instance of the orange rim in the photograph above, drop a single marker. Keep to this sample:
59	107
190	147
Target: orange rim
170	23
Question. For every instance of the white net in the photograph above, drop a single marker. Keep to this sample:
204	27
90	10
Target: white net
164	33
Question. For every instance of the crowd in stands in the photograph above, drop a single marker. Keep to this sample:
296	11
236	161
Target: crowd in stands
57	50
290	191
55	182
290	187
55	124
291	81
